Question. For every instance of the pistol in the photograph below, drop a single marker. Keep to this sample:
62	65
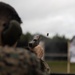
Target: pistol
34	42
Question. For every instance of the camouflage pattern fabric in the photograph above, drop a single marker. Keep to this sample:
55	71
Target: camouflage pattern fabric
45	67
18	61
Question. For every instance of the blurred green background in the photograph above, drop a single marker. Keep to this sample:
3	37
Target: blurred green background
60	66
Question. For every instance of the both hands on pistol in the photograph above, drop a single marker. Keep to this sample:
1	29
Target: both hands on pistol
35	47
39	51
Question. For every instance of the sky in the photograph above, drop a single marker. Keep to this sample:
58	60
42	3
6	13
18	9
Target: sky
46	16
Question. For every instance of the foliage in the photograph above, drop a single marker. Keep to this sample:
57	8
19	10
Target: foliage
60	66
57	44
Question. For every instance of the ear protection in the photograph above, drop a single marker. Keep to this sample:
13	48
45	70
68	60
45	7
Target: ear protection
11	33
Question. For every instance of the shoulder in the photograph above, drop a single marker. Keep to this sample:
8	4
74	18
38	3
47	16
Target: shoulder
17	53
19	61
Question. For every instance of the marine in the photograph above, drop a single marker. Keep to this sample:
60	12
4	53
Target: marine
13	60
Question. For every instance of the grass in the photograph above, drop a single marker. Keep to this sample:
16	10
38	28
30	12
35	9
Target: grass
60	66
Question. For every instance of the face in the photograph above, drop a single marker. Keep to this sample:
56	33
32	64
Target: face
3	20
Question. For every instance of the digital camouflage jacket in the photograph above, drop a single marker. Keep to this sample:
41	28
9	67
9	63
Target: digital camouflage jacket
18	61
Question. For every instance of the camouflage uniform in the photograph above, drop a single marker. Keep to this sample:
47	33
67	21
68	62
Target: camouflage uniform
18	61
